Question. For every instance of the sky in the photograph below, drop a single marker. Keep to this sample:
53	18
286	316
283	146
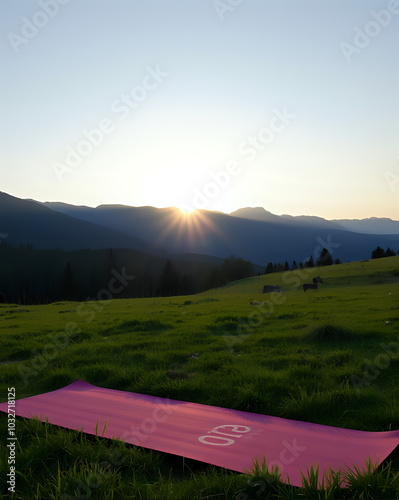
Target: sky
290	105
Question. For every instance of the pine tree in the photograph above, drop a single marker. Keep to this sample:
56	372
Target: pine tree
170	280
377	253
269	268
310	262
325	258
69	285
389	253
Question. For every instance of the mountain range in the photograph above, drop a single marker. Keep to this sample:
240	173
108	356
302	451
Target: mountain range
372	225
251	233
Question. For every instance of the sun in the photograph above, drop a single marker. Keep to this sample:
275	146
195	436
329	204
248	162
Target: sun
188	225
186	209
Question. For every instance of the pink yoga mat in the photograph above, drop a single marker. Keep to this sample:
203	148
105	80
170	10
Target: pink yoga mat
218	436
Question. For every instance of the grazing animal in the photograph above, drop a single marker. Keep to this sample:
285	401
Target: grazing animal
271	288
254	304
309	286
317	280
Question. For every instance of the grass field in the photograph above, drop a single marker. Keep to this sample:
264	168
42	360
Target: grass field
328	356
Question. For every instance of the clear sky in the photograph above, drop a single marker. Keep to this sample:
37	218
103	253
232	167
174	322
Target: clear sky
291	105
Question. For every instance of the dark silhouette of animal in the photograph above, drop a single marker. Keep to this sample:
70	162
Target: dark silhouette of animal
309	286
271	288
317	279
2	298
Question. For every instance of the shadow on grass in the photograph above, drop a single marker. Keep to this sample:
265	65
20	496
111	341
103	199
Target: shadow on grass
152	326
330	333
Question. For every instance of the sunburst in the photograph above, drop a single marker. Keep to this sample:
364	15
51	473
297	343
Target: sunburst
186	209
187	224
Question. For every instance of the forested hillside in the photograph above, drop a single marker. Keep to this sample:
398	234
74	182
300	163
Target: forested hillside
31	276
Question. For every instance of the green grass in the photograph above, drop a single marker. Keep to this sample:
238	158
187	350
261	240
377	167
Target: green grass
329	356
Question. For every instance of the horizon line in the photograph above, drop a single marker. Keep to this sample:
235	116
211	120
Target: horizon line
193	209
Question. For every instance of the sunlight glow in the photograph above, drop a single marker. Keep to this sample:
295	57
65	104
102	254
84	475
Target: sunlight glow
186	209
190	230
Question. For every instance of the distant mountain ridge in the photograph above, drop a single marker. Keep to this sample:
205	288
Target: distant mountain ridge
168	231
27	221
372	225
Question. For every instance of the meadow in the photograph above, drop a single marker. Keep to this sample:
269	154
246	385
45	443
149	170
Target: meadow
329	356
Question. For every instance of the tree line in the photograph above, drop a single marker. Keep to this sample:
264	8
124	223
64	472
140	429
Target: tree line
379	252
324	259
35	276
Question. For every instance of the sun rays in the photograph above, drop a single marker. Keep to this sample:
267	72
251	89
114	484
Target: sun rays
186	210
187	225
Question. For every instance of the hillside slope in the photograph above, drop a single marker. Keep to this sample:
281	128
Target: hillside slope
29	222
